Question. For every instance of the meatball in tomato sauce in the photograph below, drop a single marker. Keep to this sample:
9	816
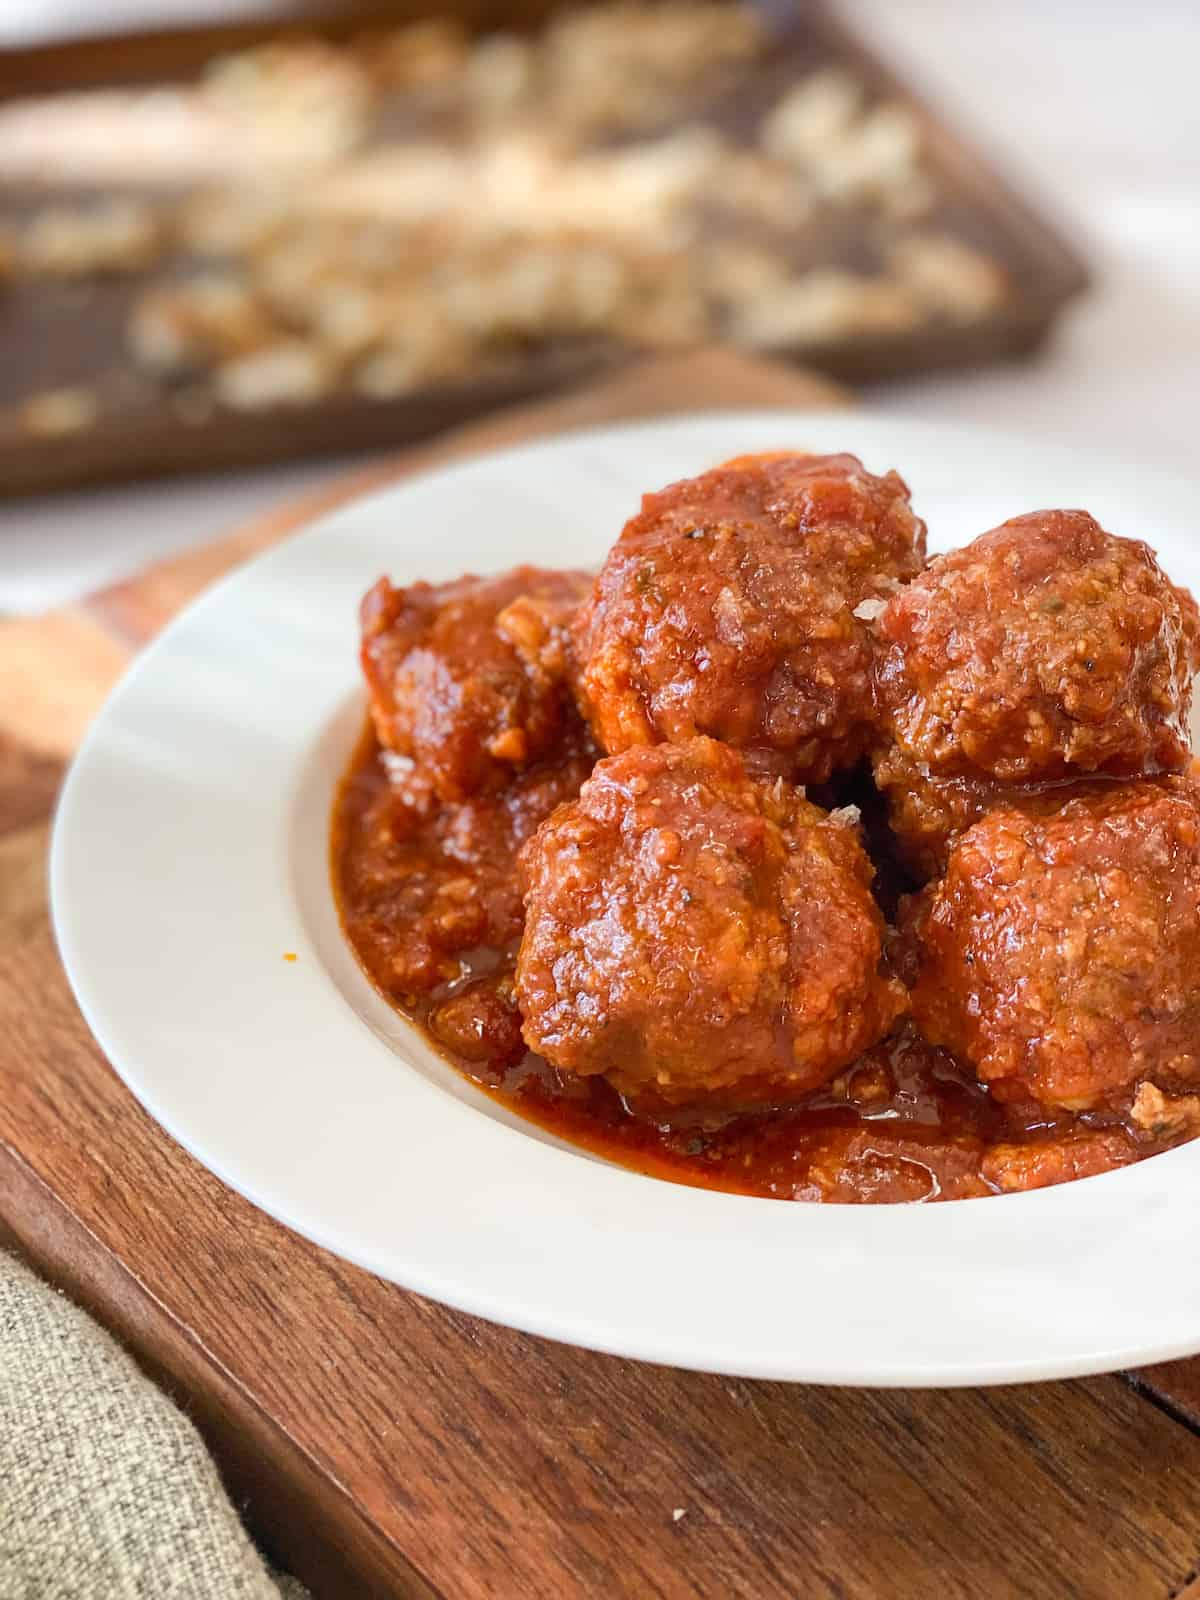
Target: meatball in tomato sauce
1060	954
1046	650
925	815
469	681
700	937
730	606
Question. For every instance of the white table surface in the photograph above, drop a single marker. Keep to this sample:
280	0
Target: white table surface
1090	104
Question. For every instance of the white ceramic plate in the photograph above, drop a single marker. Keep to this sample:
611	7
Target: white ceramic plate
190	854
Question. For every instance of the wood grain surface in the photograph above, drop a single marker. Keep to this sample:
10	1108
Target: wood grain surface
380	1444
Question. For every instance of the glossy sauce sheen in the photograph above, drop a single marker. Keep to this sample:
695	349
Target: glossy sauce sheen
432	908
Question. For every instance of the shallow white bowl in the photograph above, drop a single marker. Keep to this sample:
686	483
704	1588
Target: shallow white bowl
190	853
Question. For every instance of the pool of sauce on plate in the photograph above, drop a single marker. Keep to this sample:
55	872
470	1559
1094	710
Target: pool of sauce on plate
429	901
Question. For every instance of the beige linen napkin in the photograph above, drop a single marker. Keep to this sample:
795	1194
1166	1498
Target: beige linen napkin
106	1490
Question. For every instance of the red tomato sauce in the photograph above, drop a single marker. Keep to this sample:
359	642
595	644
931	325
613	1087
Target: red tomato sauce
432	907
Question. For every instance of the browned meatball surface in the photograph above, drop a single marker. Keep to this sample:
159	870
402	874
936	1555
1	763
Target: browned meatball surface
927	814
698	936
469	680
1045	649
728	607
1060	954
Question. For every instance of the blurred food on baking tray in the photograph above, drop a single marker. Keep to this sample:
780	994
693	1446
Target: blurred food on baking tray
417	206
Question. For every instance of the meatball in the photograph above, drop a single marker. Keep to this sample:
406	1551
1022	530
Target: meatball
697	936
729	607
469	680
422	894
1063	1158
1045	649
926	814
1060	955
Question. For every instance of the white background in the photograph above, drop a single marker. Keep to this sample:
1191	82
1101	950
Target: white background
1092	105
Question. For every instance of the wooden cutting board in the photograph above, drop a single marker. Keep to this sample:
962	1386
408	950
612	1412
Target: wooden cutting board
383	1445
